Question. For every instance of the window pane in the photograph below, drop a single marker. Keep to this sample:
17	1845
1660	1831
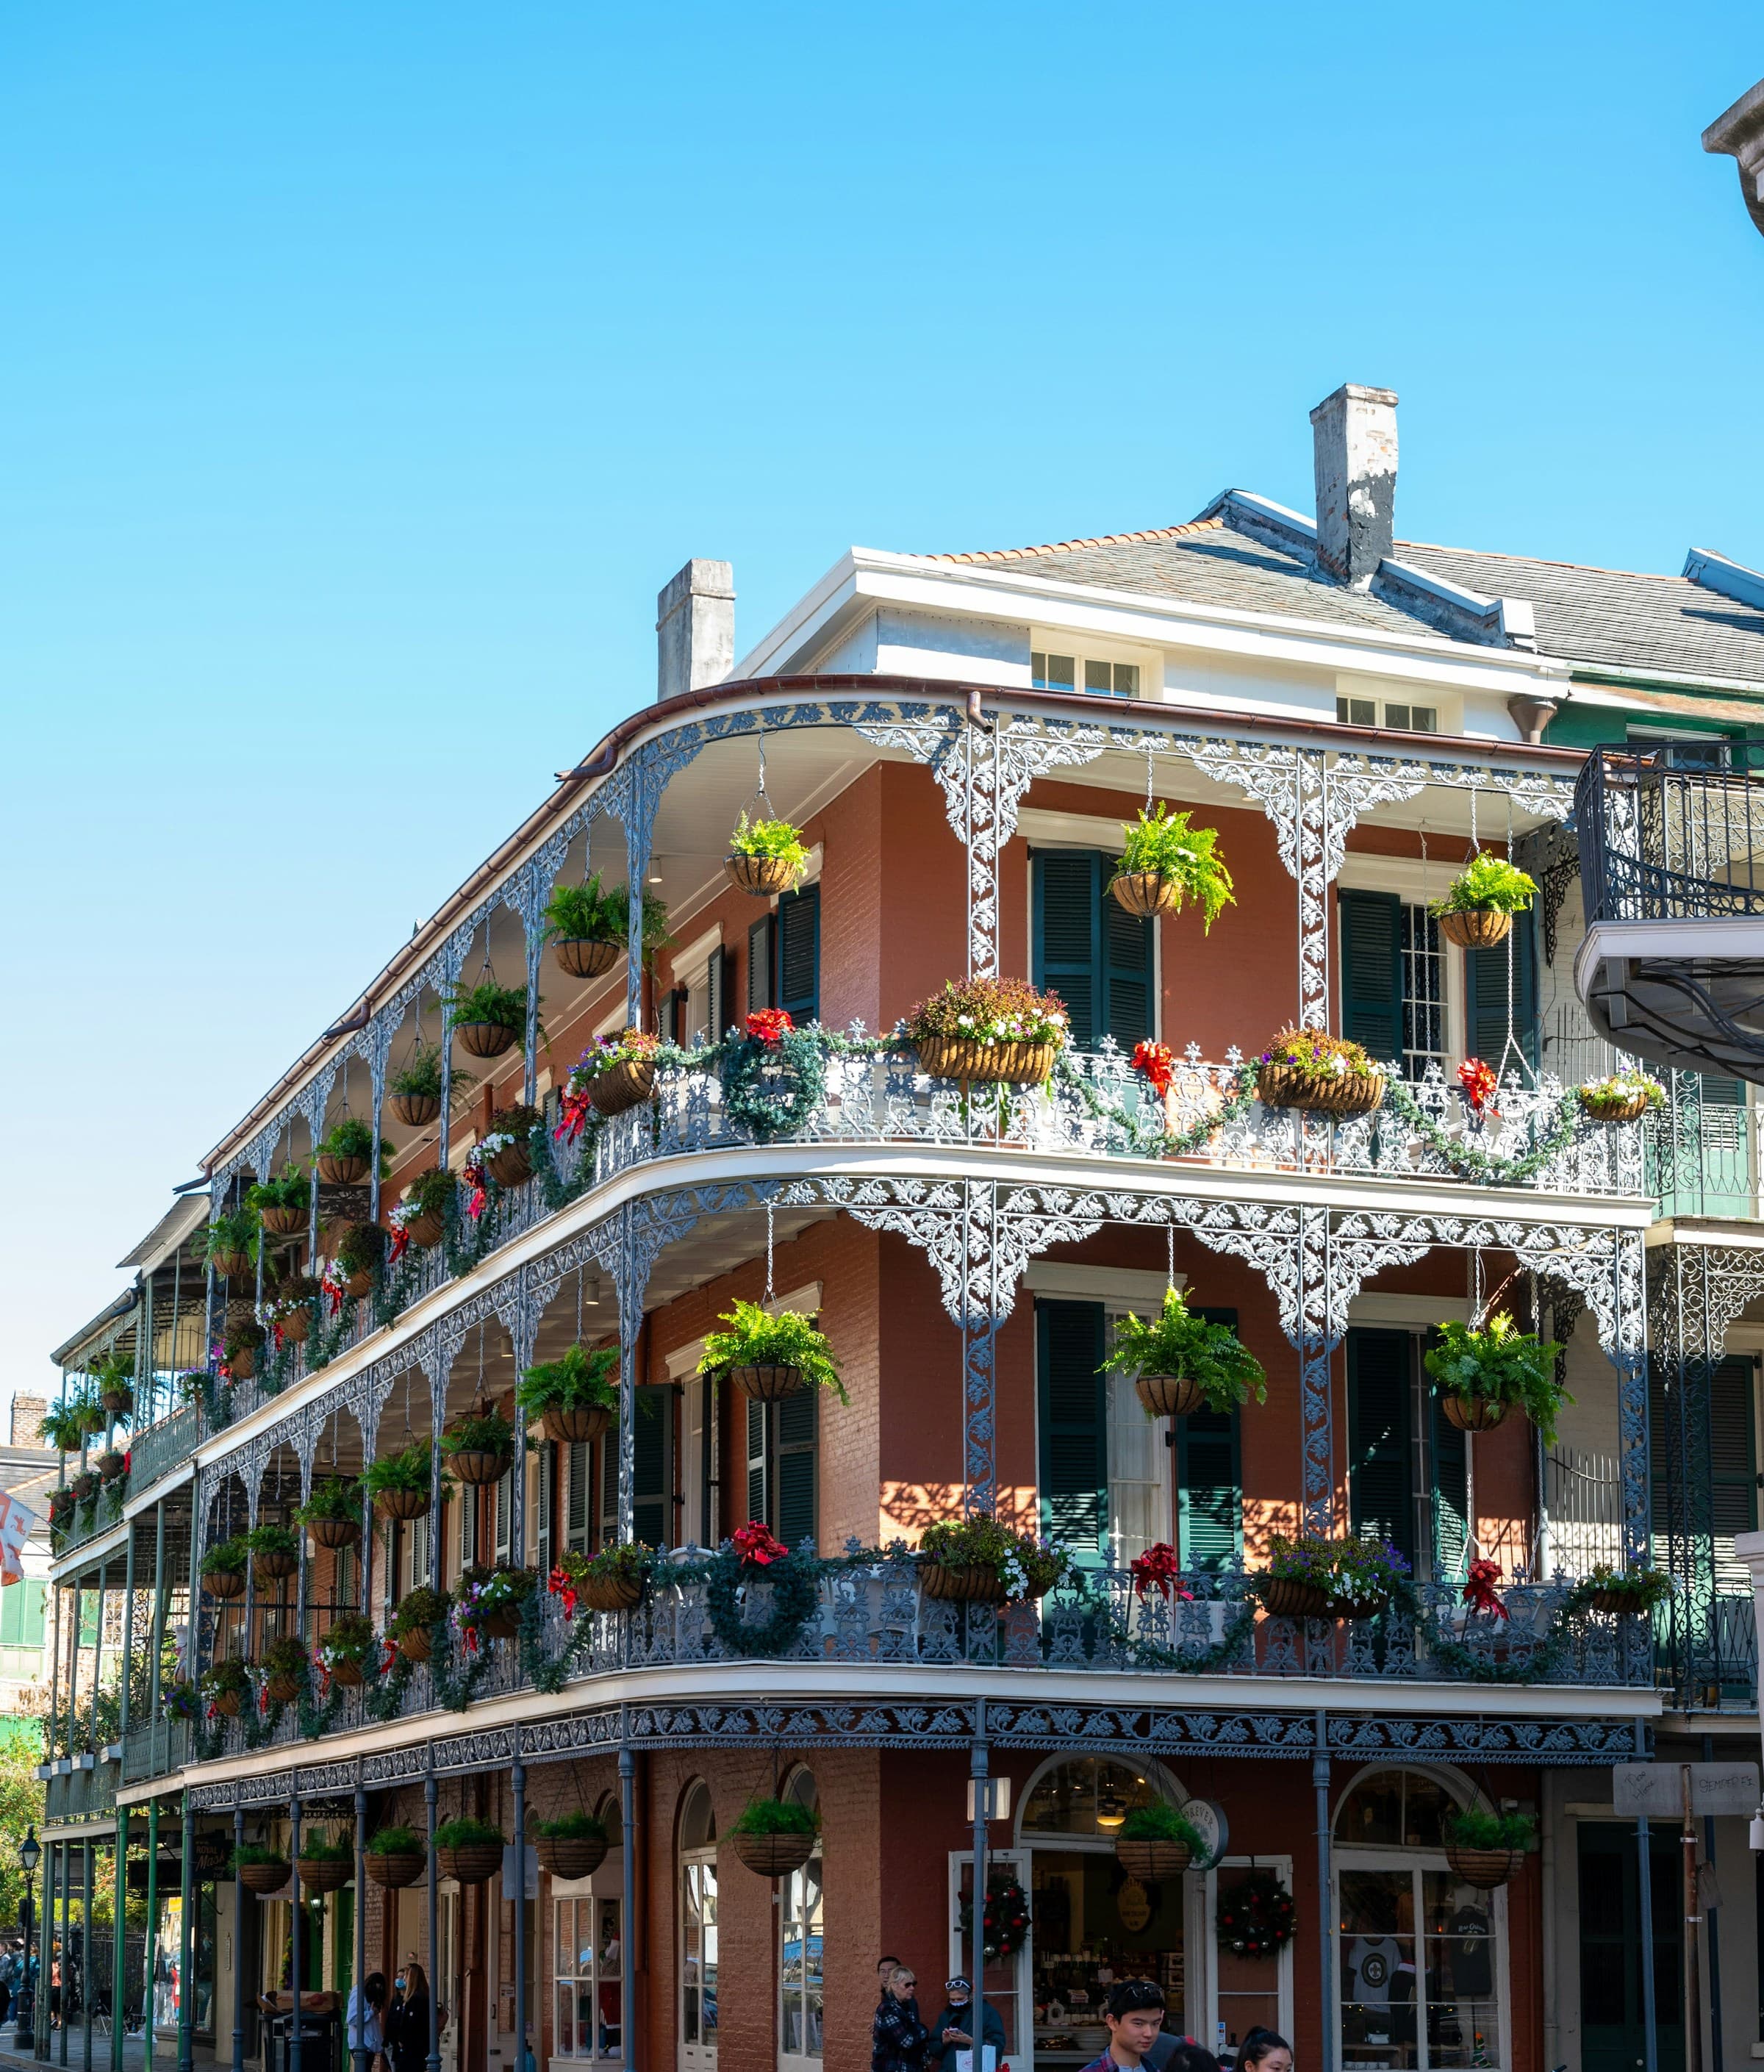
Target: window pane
1097	677
1363	712
1425	719
1378	1968
1424	991
1341	710
1127	679
1397	716
1059	672
1463	2025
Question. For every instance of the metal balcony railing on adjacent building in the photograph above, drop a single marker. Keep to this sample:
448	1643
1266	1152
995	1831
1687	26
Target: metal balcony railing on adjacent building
86	1793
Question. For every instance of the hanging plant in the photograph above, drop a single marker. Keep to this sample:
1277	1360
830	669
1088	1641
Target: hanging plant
360	1248
1625	1593
1478	909
612	1580
575	1397
284	1665
84	1485
767	1356
244	1340
766	856
414	1089
64	1427
395	1857
488	1019
1313	1577
999	1031
1311	1070
223	1568
325	1864
332	1514
1622	1097
182	1700
399	1483
229	1244
488	1601
258	1868
480	1446
980	1560
346	1156
1003	1921
582	930
283	1204
422	1216
226	1685
1164	862
112	1467
572	1846
470	1850
774	1836
275	1552
1486	1849
113	1381
1181	1362
1482	1374
412	1627
1156	1842
507	1147
343	1650
617	1072
288	1317
1257	1917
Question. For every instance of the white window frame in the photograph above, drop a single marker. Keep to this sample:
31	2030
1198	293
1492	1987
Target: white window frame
1282	1868
699	1865
604	1888
1087	647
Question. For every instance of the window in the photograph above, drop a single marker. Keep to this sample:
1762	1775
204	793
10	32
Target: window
20	1614
782	1444
1102	1473
1100	959
1399	718
652	1462
783	956
698	1932
1424	992
1386	1403
801	1931
588	1956
1066	673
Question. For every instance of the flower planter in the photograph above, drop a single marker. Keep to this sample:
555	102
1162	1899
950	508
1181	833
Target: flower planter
1476	928
626	1085
296	1327
472	1863
583	957
243	1364
512	1167
341	1172
231	1265
1357	1608
570	1856
1168	1395
413	1111
990	1064
393	1868
345	1672
960	1583
1484	1868
427	1229
1473	1414
487	1039
263	1879
271	1568
1145	893
766	1384
1619	1604
359	1285
1286	1598
284	1222
499	1626
575	1428
773	1856
762	876
230	1704
334	1532
282	1690
1155	1860
225	1583
326	1873
402	1503
119	1402
472	1466
418	1645
1351	1093
1630	1110
612	1593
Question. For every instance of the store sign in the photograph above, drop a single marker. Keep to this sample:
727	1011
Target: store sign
1206	1817
1656	1790
1134	1904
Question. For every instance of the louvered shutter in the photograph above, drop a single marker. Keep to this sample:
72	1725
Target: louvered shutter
652	1482
799	954
797	1423
760	961
504	1520
1733	1449
1662	1433
1451	1495
1484	995
1379	1479
1369	932
544	1532
1072	1402
1128	958
609	1487
1068	954
576	1476
1722	1093
1210	1504
757	1506
719	1006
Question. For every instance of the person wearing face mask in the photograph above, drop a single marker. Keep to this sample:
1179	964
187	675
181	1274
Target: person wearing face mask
407	2019
953	2029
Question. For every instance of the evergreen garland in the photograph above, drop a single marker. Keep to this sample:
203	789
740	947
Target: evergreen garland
796	1582
773	1089
1471	1160
1257	1918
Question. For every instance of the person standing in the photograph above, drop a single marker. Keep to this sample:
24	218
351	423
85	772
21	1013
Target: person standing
366	2009
407	2020
953	2029
1133	2017
897	2038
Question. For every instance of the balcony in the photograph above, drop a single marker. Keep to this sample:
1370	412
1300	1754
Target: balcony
83	1794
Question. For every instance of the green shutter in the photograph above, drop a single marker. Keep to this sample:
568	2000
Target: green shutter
798	953
1484	991
757	1505
1210	1500
795	1440
1451	1495
542	1525
1129	1015
1072	1403
1068	954
759	962
1722	1093
1380	1488
1369	932
1733	1449
652	1482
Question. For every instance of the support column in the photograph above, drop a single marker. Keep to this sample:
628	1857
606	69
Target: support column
86	1981
358	2042
627	1965
1326	1909
67	1941
187	1943
978	1766
295	1937
119	1981
149	1955
430	1795
520	1900
41	2007
240	1902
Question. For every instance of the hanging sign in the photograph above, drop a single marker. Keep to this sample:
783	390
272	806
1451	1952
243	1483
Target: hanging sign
1206	1817
1656	1790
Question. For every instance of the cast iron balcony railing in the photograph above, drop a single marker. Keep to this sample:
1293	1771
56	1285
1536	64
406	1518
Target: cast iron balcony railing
83	1794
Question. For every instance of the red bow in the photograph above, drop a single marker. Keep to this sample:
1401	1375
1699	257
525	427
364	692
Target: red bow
576	1108
214	1712
276	1328
770	1025
754	1544
1157	1062
472	1173
560	1586
389	1657
1479	1588
323	1668
471	1640
1480	1086
401	1241
1159	1568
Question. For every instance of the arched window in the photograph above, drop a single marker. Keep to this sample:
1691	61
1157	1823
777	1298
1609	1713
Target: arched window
698	1930
1422	1956
800	1954
1086	1795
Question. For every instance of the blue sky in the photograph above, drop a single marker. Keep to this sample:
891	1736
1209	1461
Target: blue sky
368	370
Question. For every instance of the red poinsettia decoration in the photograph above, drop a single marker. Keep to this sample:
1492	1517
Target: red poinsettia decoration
1480	1086
472	1173
1159	1568
561	1585
1479	1588
576	1108
770	1025
754	1544
1158	1062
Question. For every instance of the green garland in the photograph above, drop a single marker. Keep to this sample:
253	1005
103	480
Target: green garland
1201	1661
454	1687
796	1584
1162	1142
766	1101
1470	1159
383	1697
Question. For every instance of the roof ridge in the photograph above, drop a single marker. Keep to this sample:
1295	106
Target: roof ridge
1539	560
1071	546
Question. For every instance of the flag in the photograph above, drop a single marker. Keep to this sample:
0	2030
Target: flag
17	1522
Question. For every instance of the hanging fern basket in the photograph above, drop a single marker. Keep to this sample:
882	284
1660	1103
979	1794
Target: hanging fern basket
1145	893
762	876
583	958
488	1039
342	1171
227	1583
284	1222
1473	1414
577	1427
1154	1860
402	1503
394	1868
231	1265
263	1879
1476	928
472	1863
473	1466
413	1111
773	1855
1168	1395
334	1532
1484	1868
570	1856
766	1384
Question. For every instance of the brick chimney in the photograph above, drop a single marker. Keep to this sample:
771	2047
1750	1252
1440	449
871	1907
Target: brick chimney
695	629
1353	443
28	1412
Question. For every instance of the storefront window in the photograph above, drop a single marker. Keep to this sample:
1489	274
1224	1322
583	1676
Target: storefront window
800	1957
698	1933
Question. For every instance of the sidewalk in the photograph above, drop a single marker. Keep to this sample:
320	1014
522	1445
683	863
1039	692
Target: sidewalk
165	2053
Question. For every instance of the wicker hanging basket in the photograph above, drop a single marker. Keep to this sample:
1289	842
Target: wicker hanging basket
1473	1414
626	1085
341	1172
282	1690
1286	1598
478	1468
231	1265
1284	1086
512	1167
417	1645
1484	1868
1476	928
612	1593
1619	1604
584	958
359	1285
1631	1109
472	1863
1357	1608
284	1222
1154	1859
1168	1395
773	1856
488	1039
335	1531
226	1583
272	1568
763	876
989	1064
263	1879
393	1868
955	1582
570	1856
242	1365
1145	893
297	1326
766	1384
402	1503
230	1704
500	1625
577	1427
345	1672
414	1110
429	1228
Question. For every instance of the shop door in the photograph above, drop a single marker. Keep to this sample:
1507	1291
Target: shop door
1005	1982
1610	1899
698	1961
452	1993
1421	1966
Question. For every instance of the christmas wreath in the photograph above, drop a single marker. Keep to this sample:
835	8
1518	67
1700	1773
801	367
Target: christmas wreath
795	1596
774	1076
1005	1923
1256	1916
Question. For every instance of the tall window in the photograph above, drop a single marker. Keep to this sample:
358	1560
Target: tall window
698	1932
800	1982
1424	992
589	1956
1103	1467
1095	955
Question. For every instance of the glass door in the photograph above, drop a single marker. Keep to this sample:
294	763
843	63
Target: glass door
1004	1982
698	1961
800	1971
1422	1966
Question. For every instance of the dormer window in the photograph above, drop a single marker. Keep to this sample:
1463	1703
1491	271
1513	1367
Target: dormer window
1048	671
1399	718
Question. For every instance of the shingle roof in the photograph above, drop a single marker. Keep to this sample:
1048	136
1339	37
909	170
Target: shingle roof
1614	616
1206	562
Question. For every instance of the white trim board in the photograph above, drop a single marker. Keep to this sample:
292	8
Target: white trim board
1417	1313
1045	829
1097	1284
684	1359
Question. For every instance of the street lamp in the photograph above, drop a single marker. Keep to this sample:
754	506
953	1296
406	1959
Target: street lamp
30	1856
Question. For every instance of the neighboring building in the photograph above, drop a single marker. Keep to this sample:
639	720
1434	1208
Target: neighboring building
961	738
1739	134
